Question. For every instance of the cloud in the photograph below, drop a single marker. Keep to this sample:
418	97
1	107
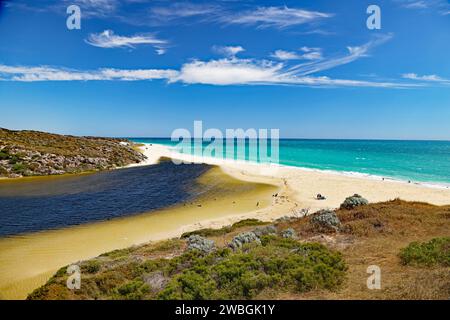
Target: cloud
182	10
229	51
285	55
354	53
230	70
308	54
152	13
278	17
47	73
107	39
429	78
161	51
250	72
440	6
415	5
222	72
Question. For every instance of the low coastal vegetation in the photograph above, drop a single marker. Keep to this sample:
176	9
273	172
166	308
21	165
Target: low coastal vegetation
322	256
208	232
34	153
434	252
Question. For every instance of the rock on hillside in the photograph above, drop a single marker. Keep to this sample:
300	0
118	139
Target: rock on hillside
34	153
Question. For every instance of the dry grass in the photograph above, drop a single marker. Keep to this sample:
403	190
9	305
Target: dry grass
374	235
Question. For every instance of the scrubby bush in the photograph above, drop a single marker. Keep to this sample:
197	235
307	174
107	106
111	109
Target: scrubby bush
247	223
196	242
19	167
354	201
208	232
90	266
288	233
266	230
282	263
13	159
326	220
133	290
243	238
434	252
4	155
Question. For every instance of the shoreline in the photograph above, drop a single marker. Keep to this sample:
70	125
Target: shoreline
283	172
151	160
336	186
220	161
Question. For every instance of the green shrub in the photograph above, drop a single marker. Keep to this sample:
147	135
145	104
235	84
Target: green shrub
282	263
247	223
434	252
208	232
189	285
4	155
90	266
118	253
19	168
13	159
133	290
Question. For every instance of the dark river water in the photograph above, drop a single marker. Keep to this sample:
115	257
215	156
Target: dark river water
48	203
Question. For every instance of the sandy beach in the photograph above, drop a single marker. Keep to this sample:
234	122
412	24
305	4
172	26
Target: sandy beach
300	186
28	261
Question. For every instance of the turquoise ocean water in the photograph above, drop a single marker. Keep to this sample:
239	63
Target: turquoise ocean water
418	161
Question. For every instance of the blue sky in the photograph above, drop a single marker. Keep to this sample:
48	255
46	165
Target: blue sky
310	68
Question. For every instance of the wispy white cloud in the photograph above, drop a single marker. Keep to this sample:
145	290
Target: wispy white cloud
107	39
311	53
307	54
229	51
285	55
354	53
440	6
222	72
230	70
162	13
179	10
233	71
415	5
279	17
429	78
47	73
161	51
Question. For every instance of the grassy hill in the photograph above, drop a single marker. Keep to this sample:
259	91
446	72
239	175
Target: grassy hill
321	256
30	153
